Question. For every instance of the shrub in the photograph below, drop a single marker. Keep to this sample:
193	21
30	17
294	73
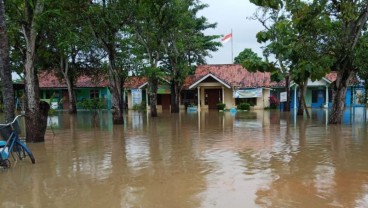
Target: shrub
274	102
221	106
243	106
91	104
140	107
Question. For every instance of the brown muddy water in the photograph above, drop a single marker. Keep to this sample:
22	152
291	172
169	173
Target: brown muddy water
190	160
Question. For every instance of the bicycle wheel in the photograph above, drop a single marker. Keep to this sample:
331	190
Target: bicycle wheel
23	151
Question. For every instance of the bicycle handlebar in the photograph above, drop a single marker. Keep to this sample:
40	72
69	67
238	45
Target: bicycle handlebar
11	123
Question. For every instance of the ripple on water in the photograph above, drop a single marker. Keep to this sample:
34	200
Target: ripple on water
250	159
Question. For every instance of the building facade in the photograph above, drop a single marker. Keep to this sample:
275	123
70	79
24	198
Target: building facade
230	84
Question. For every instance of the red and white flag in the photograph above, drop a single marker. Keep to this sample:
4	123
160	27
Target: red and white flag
227	37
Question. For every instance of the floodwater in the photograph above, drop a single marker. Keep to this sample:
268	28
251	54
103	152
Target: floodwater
190	160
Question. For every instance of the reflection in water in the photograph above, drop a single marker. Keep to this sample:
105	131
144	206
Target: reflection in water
210	159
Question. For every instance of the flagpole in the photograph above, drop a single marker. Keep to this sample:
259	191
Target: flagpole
232	54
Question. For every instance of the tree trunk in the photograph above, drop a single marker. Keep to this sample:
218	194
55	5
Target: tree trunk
44	111
71	94
116	75
301	101
352	29
153	85
5	71
116	100
339	88
64	68
305	108
175	96
300	111
34	126
116	84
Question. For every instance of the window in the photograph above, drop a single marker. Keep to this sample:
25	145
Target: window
93	94
159	99
315	96
188	97
51	93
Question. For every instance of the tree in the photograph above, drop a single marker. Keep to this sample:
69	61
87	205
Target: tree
278	44
5	70
279	37
349	18
66	43
30	27
151	25
308	58
305	27
247	55
109	22
186	45
360	62
338	27
26	20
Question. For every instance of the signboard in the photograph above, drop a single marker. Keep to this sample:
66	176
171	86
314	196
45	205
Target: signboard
136	96
54	105
248	93
283	96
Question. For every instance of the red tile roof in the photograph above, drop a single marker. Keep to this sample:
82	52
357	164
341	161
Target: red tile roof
331	76
232	74
135	82
49	80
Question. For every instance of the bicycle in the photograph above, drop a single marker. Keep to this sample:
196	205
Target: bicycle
13	144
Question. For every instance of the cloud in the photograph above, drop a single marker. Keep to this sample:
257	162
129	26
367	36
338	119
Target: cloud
232	15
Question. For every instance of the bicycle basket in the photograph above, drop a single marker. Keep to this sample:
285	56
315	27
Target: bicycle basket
5	131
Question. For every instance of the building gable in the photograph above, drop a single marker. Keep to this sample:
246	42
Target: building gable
232	75
208	78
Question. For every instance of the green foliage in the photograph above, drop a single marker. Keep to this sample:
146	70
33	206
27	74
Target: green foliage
91	104
171	33
157	39
361	57
221	106
51	110
304	37
140	107
243	106
245	55
292	36
361	64
250	61
274	4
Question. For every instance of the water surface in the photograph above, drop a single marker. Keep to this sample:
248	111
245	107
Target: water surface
190	160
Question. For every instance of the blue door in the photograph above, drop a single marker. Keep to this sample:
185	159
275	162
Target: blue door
318	98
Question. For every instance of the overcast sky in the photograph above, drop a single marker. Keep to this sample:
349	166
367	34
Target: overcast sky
232	15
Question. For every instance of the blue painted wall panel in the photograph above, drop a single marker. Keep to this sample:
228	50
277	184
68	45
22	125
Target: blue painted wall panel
348	97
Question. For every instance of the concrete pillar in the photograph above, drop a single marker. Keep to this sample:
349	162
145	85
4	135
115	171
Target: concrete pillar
223	95
326	106
199	98
147	98
295	97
